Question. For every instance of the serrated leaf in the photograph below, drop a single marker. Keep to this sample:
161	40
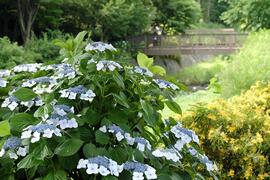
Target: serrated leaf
24	94
28	162
149	115
21	120
158	70
121	99
144	61
68	147
101	137
4	128
174	106
56	175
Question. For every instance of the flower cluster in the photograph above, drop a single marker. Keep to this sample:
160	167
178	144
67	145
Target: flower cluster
105	65
5	73
71	93
169	154
34	132
61	70
27	68
15	148
143	71
139	170
12	102
42	84
99	46
142	143
210	166
165	84
59	117
184	136
100	165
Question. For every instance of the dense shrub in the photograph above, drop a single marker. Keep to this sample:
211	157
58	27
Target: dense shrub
45	47
250	65
92	119
236	133
12	54
201	73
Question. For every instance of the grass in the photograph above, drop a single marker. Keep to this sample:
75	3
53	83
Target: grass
250	65
186	100
201	73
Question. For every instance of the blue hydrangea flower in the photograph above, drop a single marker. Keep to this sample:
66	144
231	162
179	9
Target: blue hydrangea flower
142	143
138	170
10	102
100	165
3	83
105	65
34	132
99	46
27	68
143	71
71	93
4	73
168	153
61	70
15	148
165	84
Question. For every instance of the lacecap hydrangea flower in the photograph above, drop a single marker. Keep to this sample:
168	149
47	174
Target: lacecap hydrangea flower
105	65
168	153
61	70
139	170
71	93
100	165
184	136
10	102
34	132
99	47
3	83
27	68
165	84
15	148
143	71
5	73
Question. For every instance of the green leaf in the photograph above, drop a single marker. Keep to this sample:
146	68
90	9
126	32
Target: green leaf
89	150
4	128
144	61
20	121
28	162
24	94
41	152
119	80
68	147
174	107
109	178
101	137
56	175
79	38
149	115
158	70
121	99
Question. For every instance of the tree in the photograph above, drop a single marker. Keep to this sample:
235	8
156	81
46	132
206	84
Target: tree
176	15
108	19
27	12
248	14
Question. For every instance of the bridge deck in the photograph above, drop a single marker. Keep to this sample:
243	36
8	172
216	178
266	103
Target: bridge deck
219	42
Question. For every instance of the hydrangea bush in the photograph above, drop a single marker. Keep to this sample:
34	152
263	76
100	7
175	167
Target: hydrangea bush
93	118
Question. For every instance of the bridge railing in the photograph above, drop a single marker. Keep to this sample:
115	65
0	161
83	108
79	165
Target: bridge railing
191	40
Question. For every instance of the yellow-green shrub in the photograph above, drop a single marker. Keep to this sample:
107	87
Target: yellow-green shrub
236	133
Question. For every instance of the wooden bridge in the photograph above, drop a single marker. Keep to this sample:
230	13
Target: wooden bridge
202	42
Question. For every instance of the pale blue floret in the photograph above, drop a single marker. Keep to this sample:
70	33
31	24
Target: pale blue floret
42	127
135	166
12	143
165	84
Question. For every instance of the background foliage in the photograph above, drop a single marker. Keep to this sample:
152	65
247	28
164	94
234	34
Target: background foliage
236	132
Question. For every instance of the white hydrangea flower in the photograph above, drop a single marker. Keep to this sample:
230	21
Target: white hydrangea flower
92	168
82	164
99	46
27	68
22	151
3	83
2	152
165	84
137	176
150	173
13	155
105	65
4	73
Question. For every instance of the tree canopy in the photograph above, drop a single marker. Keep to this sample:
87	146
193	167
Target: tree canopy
248	14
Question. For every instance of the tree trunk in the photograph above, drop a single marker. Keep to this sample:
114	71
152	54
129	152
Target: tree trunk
27	11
